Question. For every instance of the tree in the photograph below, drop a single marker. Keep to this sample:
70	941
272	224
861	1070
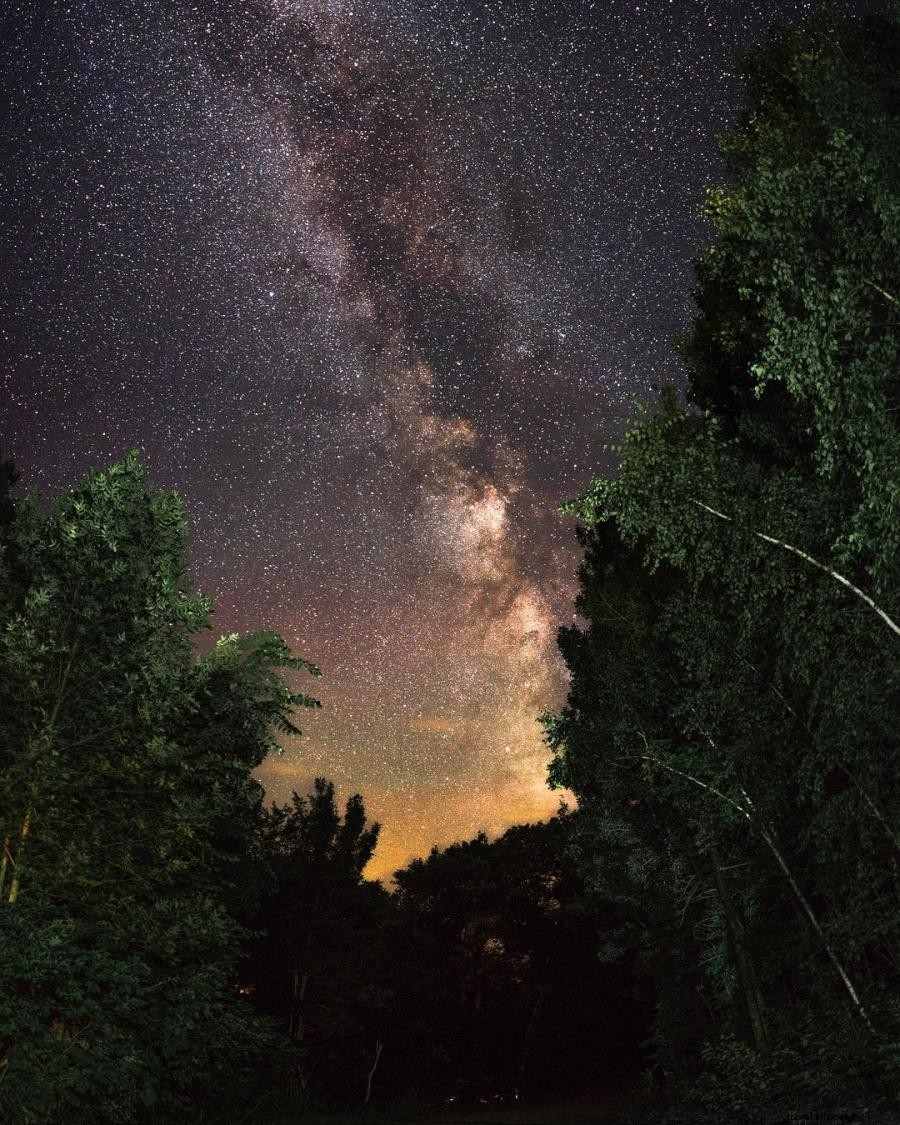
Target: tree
320	963
517	1002
8	478
124	788
731	727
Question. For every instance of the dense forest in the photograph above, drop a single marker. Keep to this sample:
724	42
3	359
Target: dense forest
713	932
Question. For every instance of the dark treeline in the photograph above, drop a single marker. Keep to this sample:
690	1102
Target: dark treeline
173	949
718	920
476	979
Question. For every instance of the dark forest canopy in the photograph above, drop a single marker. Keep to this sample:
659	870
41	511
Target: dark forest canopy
721	912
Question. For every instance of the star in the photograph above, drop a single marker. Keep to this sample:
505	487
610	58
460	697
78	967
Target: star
372	287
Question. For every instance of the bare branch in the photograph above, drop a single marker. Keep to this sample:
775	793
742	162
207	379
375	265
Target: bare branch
813	562
379	1047
889	296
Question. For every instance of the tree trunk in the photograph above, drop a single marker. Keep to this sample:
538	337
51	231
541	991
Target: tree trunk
17	862
743	961
768	835
530	1029
379	1046
4	863
295	1024
889	621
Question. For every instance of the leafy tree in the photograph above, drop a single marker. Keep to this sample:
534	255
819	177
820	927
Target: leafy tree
662	867
517	1002
125	790
731	726
320	964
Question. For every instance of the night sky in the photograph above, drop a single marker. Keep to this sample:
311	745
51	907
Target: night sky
371	284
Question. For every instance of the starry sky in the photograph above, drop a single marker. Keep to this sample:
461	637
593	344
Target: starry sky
371	284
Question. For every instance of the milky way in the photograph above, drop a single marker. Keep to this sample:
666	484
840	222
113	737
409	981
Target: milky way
372	285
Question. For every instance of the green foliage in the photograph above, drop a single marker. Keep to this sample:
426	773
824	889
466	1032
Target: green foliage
126	799
731	725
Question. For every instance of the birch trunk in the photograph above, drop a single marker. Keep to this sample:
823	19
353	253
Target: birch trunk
379	1046
4	863
17	862
889	621
768	836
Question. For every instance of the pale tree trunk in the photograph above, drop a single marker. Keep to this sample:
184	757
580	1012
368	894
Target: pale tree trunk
889	621
888	296
296	1026
4	864
879	815
768	837
298	990
17	862
305	1077
379	1046
876	811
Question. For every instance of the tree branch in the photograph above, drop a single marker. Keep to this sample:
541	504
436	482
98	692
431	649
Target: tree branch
768	836
891	624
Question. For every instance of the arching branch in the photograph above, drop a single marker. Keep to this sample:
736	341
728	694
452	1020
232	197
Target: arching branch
891	624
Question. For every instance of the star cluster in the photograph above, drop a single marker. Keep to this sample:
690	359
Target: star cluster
371	284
